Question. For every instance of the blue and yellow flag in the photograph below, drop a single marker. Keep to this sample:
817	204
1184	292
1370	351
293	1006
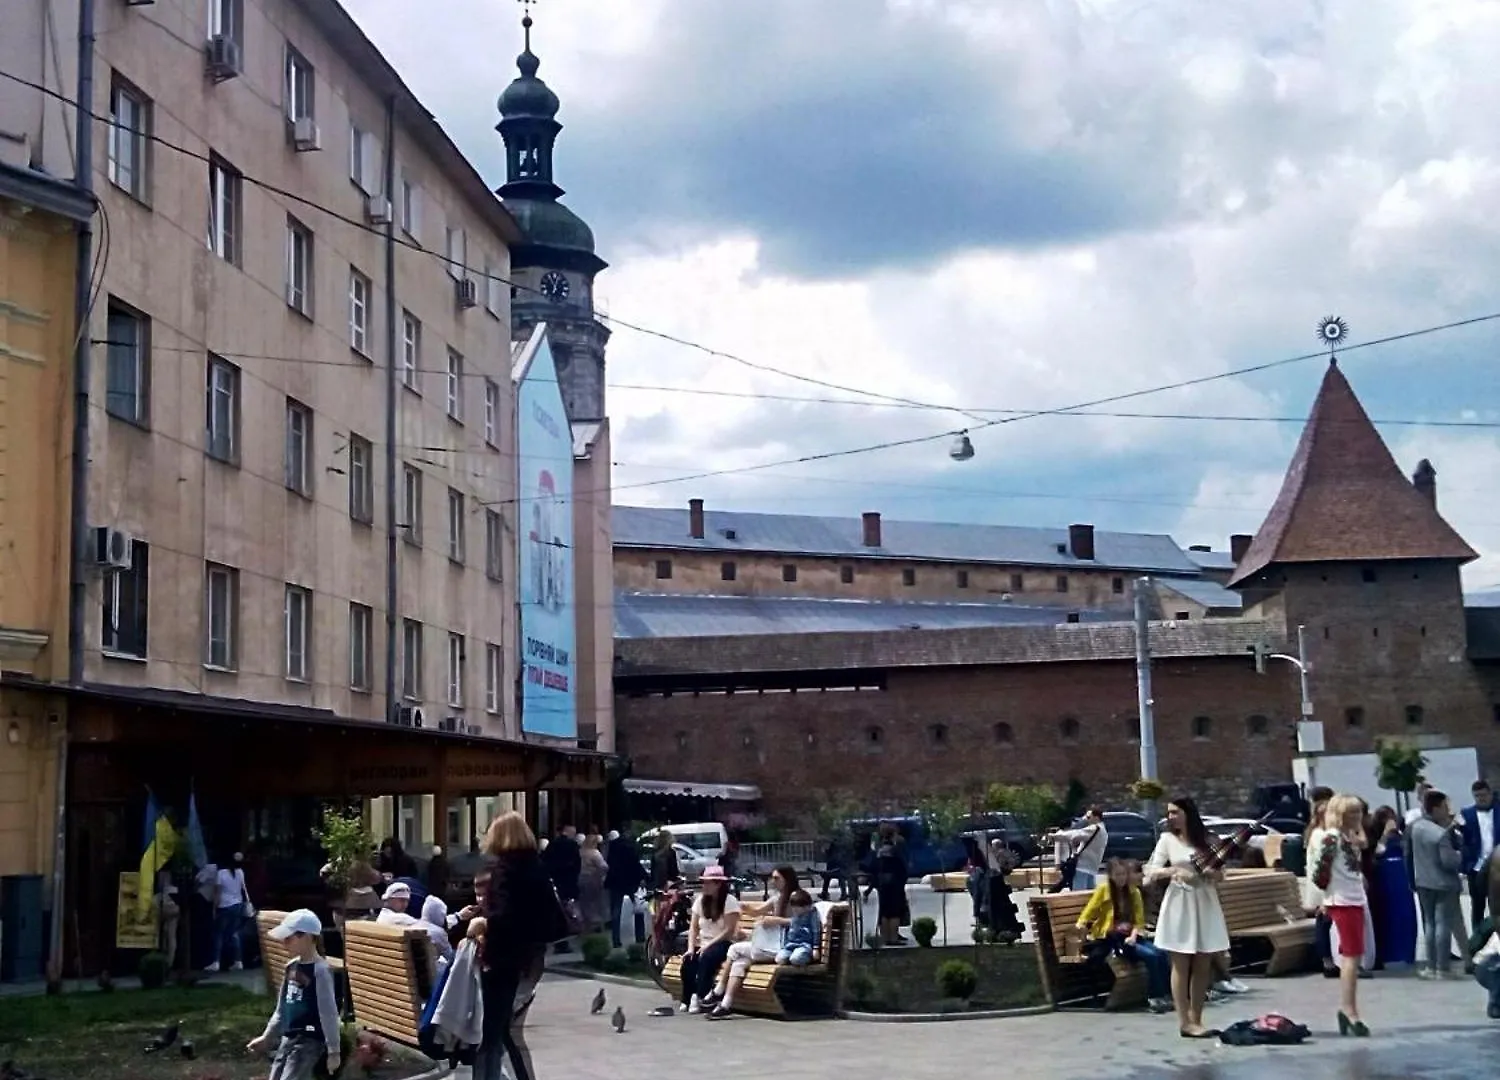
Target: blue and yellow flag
160	842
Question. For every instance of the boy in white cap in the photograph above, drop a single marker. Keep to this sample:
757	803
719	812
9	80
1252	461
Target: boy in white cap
306	1018
396	912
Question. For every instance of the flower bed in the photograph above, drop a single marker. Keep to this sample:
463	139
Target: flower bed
906	980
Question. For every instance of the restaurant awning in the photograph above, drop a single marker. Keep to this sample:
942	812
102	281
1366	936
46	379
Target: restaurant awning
686	790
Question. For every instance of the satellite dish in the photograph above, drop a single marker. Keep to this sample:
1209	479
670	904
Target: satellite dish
962	449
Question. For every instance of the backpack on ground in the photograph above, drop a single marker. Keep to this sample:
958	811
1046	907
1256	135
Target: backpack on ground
1273	1029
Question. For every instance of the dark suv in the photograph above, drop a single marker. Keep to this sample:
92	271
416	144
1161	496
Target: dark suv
1130	835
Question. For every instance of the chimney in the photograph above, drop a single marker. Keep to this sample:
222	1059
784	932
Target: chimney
695	518
1081	541
1239	544
1425	481
872	528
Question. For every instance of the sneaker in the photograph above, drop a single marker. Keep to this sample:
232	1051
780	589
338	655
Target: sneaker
713	998
682	1007
695	1006
1493	1011
237	966
718	1012
1231	986
212	968
1427	974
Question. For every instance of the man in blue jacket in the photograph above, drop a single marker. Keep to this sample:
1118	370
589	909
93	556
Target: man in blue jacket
1481	830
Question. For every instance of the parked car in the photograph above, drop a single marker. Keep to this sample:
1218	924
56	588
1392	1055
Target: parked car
709	837
690	862
1130	835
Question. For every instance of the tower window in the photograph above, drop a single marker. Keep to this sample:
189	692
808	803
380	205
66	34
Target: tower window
1354	716
1069	729
789	572
727	571
1062	583
963	579
1017	583
1414	716
1005	736
874	736
1257	727
1203	727
1117	586
939	734
1073	616
846	575
908	576
663	569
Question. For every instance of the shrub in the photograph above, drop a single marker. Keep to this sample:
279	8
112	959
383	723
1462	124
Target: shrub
957	979
153	970
860	987
872	941
617	962
635	952
595	948
1148	790
924	930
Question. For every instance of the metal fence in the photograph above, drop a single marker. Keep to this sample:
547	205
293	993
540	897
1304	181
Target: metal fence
761	859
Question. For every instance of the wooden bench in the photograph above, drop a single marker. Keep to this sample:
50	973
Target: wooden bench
391	973
784	991
1256	905
1068	978
275	957
1022	878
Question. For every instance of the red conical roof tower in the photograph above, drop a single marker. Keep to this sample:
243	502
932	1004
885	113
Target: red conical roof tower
1345	499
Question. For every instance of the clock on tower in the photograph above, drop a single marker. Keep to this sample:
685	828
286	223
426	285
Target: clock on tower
555	286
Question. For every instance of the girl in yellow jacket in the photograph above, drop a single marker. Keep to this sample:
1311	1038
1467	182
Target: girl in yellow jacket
1114	924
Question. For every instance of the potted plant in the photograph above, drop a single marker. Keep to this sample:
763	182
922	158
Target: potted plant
1148	790
348	844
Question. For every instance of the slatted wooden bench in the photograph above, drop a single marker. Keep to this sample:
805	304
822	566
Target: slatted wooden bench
275	957
1067	976
1256	905
391	971
785	991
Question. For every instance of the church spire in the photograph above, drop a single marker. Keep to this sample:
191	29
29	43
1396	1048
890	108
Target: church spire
528	125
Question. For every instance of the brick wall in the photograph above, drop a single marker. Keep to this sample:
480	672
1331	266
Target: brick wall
938	729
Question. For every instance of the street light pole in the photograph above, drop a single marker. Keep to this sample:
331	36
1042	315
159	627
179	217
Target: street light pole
1309	738
1143	678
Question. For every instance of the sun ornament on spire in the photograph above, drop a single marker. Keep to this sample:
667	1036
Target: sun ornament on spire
1333	332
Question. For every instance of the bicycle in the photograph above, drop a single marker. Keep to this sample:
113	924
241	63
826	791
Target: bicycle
671	909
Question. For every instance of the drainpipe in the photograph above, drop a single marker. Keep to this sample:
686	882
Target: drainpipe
78	531
392	596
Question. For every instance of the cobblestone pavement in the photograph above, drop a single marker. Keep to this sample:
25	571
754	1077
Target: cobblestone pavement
1422	1031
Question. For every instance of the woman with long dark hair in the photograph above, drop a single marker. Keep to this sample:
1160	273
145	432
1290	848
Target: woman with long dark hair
714	927
1392	904
1112	923
890	884
1190	926
759	948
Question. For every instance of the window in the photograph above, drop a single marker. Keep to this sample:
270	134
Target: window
222	602
361	641
1203	727
226	18
1117	586
494	545
1073	617
727	571
411	350
128	364
1004	734
456	670
938	733
1182	616
1414	716
908	577
359	312
492	293
224	200
411	660
299	440
129	135
365	161
1354	716
491	412
874	735
455	386
789	572
411	503
455	820
1069	729
663	569
494	677
455	525
299	267
223	410
1367	575
1017	583
846	575
298	632
456	247
299	86
125	605
1257	727
410	206
361	479
1062	583
963	579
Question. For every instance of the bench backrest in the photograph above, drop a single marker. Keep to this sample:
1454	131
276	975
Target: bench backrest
273	954
1259	899
391	971
1063	910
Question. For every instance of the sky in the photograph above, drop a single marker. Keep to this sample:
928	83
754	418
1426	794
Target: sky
981	205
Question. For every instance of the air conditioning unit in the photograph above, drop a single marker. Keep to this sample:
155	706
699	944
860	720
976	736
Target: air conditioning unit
451	723
305	135
113	548
223	55
408	716
466	292
378	210
475	729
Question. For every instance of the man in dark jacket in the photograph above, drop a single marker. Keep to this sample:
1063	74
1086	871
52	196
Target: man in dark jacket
623	878
564	861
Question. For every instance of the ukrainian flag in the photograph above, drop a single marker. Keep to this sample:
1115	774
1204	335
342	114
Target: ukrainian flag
160	842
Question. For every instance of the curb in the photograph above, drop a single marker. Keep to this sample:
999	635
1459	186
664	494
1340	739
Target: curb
601	977
938	1018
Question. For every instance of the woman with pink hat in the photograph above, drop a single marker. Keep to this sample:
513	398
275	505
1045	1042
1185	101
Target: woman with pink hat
714	927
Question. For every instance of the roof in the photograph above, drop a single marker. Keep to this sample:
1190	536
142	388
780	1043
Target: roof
660	615
1484	632
968	646
1211	560
1209	594
839	537
1345	499
32	187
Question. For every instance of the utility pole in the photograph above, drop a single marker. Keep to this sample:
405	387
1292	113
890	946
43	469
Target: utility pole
1143	678
1309	731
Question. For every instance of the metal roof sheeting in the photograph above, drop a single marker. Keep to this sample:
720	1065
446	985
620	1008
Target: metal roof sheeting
841	537
1210	594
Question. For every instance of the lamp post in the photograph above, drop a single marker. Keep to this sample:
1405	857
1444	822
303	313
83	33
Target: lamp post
1309	731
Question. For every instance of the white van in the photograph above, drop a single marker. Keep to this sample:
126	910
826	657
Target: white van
707	837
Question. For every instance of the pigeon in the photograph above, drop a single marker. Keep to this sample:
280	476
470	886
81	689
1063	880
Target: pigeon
618	1020
599	1002
167	1037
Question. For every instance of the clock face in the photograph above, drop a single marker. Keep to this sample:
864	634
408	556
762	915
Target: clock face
554	286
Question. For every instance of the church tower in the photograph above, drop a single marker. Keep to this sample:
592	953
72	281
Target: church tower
554	267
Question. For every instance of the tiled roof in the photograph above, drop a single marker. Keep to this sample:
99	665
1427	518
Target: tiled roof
661	615
1345	499
1208	593
927	648
665	528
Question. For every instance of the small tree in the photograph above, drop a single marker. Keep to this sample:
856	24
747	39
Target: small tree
346	840
1399	767
1034	805
944	816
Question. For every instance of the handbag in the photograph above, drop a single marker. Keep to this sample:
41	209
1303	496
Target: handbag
1070	865
766	939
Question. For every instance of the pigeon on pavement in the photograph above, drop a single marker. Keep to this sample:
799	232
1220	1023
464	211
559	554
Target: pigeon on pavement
167	1037
599	1002
618	1020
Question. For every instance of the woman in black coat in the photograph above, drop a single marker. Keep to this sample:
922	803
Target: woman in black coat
522	917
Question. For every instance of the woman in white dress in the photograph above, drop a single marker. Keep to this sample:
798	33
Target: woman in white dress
1190	926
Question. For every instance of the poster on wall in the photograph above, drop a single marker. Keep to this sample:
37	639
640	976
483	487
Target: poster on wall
545	456
134	928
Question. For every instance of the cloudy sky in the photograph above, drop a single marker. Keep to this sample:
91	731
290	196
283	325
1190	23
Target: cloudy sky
1004	205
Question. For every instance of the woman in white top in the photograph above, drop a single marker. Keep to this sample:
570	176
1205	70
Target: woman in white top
1190	926
714	927
230	900
759	948
1334	856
